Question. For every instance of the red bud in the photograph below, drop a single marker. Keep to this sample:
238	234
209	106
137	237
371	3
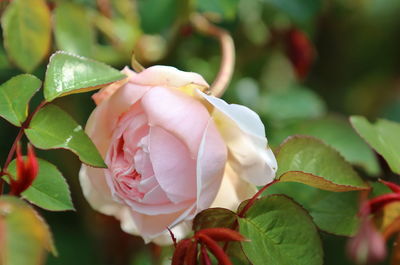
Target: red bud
368	246
221	234
180	252
26	171
393	186
215	249
300	51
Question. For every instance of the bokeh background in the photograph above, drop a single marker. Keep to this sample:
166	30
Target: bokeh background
304	66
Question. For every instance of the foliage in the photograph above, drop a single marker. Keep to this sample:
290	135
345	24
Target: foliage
304	66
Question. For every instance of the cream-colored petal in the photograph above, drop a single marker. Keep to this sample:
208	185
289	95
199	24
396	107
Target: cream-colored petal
243	132
233	190
97	192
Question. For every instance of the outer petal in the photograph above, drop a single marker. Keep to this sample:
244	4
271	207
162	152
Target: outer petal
167	76
211	162
244	134
109	90
233	191
97	192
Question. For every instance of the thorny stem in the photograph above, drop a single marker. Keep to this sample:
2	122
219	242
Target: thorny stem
224	75
14	145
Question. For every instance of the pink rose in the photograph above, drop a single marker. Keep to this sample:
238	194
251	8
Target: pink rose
172	151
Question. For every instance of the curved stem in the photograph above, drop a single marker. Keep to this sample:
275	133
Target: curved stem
224	75
14	145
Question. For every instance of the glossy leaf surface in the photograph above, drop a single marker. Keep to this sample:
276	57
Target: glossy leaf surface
310	161
68	74
15	95
53	128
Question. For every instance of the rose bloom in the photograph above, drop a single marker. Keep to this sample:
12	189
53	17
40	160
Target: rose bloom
171	151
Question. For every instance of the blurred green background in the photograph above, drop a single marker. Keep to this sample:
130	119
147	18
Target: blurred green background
303	65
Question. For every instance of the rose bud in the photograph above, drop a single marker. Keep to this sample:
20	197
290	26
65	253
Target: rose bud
26	171
171	151
368	246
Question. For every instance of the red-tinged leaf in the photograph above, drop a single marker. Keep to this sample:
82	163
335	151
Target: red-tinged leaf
205	258
393	186
377	203
221	234
180	252
215	249
191	254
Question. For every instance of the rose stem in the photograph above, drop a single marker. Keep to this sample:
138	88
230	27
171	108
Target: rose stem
135	64
14	145
224	75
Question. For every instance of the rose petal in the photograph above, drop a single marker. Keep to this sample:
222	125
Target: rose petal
233	191
167	76
152	226
173	166
183	116
244	135
107	91
97	192
210	166
104	118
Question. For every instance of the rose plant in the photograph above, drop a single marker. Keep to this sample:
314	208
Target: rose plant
172	151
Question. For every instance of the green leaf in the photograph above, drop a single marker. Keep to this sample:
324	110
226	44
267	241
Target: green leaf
15	95
69	74
49	191
25	237
333	212
227	9
27	32
383	136
214	217
338	133
280	232
310	161
52	128
75	35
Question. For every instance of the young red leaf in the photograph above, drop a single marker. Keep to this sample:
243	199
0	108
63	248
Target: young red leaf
180	252
191	254
215	249
379	202
204	257
221	234
393	186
